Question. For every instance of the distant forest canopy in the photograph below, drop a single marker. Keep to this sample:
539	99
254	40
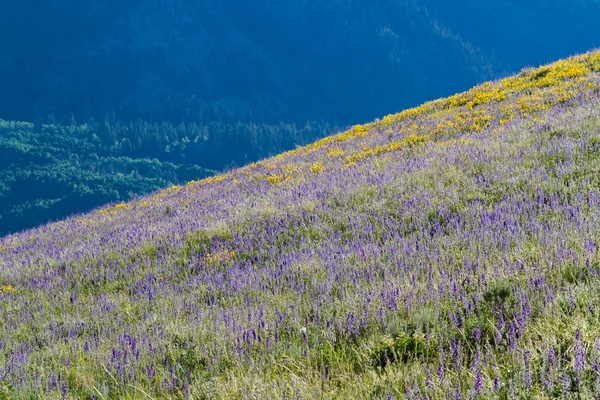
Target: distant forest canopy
49	171
339	61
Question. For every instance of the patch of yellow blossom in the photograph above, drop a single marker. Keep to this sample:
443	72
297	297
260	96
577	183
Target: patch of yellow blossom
290	169
202	182
480	121
173	189
444	126
317	167
388	120
223	256
546	76
113	210
236	181
275	179
259	177
3	248
532	104
336	151
193	185
287	172
464	122
409	141
480	95
593	61
485	94
7	289
457	100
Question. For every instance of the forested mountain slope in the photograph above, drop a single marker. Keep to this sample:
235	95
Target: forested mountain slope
448	251
341	61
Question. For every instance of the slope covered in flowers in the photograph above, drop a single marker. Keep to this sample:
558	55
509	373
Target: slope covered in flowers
448	251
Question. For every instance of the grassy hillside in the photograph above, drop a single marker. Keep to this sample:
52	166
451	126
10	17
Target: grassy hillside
448	251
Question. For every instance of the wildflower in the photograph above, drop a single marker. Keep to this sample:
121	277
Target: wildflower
477	334
304	335
478	383
512	336
579	362
428	381
440	370
499	330
565	383
7	289
317	167
528	374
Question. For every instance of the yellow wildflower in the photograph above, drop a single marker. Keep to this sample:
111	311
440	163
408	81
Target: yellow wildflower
317	167
7	289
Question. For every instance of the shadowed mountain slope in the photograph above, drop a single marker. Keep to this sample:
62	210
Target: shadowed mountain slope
341	61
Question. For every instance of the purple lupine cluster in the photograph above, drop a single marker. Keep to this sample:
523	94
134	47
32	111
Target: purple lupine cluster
471	259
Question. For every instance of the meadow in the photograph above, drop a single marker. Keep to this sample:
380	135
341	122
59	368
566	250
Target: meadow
448	251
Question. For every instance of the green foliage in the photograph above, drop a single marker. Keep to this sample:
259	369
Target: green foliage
423	320
202	242
499	291
404	347
485	323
